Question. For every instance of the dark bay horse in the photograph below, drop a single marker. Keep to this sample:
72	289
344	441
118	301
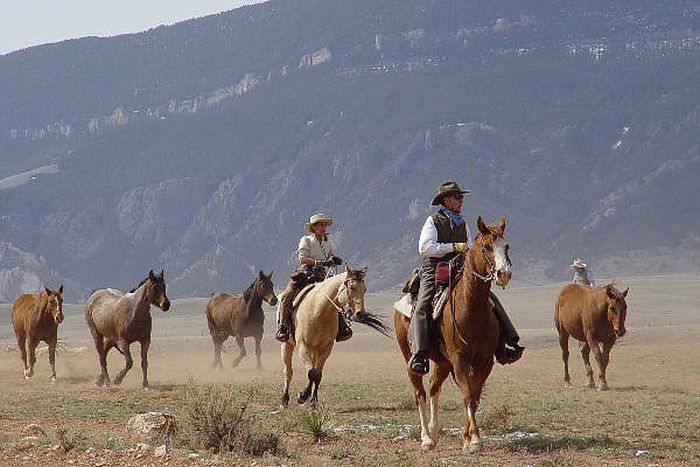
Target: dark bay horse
469	332
595	316
229	314
35	318
117	319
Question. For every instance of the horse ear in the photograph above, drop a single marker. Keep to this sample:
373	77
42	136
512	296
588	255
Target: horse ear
482	226
151	275
162	274
60	289
261	274
609	291
269	276
47	290
502	225
624	294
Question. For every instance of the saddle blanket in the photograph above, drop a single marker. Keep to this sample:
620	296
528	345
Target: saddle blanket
405	305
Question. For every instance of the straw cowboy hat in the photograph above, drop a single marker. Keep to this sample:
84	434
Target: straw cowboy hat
447	188
578	264
317	218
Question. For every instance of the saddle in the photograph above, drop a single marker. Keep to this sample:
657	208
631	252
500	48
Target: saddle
406	304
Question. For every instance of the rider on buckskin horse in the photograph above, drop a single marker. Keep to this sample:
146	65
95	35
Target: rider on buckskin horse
315	255
443	237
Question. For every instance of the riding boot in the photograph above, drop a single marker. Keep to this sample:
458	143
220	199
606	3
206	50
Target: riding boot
284	327
344	331
421	322
508	349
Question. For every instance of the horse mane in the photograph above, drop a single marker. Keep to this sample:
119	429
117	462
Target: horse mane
249	292
140	284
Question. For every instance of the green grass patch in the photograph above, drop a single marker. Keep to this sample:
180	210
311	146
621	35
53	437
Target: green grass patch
542	444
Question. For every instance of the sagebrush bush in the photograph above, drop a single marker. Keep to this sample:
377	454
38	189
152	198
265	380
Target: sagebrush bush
317	423
215	418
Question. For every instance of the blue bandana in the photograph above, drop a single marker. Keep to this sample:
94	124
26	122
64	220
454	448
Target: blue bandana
455	217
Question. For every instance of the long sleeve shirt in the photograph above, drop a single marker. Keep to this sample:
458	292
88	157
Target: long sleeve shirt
428	245
311	247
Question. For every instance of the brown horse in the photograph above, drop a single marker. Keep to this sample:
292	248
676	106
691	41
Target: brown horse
316	327
35	318
229	314
117	319
594	316
469	335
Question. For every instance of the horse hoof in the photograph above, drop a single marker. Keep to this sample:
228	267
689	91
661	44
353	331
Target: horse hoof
603	387
53	380
427	445
285	400
147	388
567	385
590	385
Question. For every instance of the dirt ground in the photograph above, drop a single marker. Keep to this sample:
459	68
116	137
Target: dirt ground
649	417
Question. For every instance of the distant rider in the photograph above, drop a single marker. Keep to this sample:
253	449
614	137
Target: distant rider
581	273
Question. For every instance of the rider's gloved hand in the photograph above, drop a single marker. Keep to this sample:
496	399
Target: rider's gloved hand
336	260
460	247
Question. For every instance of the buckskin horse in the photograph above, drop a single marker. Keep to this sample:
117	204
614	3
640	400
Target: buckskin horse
117	319
316	326
35	318
229	314
594	316
469	334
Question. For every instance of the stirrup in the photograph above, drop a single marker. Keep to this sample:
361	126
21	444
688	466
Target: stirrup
508	355
282	333
419	364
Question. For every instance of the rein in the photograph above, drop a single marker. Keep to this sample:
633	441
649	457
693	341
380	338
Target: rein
488	278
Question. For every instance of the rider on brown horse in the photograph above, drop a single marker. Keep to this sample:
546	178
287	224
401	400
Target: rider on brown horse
315	255
443	237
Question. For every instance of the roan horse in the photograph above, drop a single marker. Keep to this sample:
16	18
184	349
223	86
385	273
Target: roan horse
469	335
316	326
230	314
594	316
117	319
35	318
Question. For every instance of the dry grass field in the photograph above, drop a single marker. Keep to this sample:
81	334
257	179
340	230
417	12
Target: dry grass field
649	417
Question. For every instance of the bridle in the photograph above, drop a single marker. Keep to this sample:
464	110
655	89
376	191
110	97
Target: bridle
343	288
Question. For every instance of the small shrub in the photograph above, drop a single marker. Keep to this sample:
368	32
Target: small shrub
68	442
499	419
216	419
317	423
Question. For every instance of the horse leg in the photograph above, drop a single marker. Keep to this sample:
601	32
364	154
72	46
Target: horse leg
145	344
318	372
258	351
287	351
441	372
470	383
602	383
564	344
52	357
128	362
103	377
218	340
586	355
312	375
22	345
32	356
606	360
241	348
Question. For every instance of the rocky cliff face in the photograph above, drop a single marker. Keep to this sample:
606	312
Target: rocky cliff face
577	123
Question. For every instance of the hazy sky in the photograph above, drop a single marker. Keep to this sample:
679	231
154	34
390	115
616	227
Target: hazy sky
24	23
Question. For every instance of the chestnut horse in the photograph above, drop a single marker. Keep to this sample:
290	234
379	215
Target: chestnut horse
316	326
469	334
117	319
35	318
594	316
229	314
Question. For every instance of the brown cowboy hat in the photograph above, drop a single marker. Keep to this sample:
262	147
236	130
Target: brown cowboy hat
317	218
447	188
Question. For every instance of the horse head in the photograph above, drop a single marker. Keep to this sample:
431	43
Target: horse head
54	303
265	289
617	308
494	262
354	288
155	290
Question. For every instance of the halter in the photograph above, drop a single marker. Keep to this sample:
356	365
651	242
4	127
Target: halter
492	265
